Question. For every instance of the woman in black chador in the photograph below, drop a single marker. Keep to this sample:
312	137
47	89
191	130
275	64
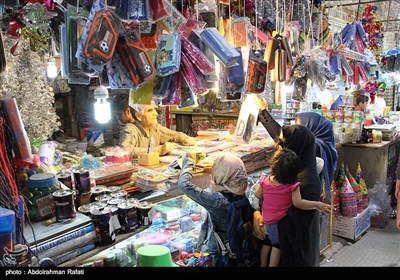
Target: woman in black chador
299	230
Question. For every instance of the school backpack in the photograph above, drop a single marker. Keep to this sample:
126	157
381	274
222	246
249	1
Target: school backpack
243	248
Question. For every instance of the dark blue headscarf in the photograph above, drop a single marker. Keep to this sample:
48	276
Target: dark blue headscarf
323	132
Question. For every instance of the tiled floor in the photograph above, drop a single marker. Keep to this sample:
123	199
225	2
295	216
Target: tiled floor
378	247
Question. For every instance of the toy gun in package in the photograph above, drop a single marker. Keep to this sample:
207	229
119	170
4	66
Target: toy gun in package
102	37
135	58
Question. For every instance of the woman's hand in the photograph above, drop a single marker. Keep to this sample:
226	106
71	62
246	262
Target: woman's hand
258	226
189	141
262	103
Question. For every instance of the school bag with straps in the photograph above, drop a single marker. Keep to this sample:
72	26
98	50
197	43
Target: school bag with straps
242	248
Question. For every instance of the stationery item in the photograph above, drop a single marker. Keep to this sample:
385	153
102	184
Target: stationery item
247	120
346	66
197	57
175	19
227	54
257	73
235	74
151	158
173	94
2	56
286	48
133	10
273	45
22	147
240	32
162	85
195	81
168	56
135	58
157	10
280	65
335	64
102	38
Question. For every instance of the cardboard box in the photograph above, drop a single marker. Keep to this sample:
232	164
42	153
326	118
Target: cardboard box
351	228
149	159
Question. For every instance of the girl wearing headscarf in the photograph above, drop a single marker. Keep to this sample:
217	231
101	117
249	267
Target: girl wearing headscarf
299	230
229	184
326	148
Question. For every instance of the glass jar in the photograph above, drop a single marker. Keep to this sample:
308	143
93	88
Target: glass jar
39	192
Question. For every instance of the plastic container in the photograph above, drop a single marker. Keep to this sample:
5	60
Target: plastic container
154	256
46	153
7	226
39	192
376	136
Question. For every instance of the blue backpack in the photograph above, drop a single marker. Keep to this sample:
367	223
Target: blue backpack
243	248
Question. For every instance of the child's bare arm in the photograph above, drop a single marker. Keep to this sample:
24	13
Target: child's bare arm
304	204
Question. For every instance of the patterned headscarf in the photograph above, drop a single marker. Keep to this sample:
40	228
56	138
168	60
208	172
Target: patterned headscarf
229	174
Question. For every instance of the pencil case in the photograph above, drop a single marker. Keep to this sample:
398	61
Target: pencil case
227	54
